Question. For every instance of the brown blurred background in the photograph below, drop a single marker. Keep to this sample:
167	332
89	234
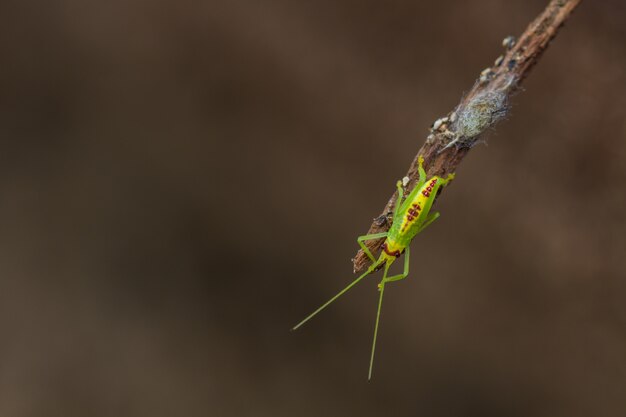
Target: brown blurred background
182	182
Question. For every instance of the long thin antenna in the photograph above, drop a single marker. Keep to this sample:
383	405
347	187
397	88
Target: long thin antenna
380	303
371	269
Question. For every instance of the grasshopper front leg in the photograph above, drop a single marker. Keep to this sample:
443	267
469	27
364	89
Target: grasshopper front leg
407	253
373	236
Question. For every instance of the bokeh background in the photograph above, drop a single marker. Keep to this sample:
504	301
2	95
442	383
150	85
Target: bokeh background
181	182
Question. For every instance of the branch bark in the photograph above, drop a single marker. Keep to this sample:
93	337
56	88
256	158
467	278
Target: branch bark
452	137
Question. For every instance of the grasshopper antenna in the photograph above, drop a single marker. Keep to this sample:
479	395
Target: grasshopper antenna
342	292
381	287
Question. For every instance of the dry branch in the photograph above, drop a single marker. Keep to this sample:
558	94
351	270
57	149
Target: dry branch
480	109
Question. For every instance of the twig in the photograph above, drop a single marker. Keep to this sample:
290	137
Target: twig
486	103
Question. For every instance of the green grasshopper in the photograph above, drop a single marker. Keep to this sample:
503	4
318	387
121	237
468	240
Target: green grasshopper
410	218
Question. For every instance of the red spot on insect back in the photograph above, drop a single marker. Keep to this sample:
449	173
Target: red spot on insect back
425	193
395	253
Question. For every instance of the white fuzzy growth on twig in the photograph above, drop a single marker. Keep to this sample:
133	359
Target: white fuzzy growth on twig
482	112
479	114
